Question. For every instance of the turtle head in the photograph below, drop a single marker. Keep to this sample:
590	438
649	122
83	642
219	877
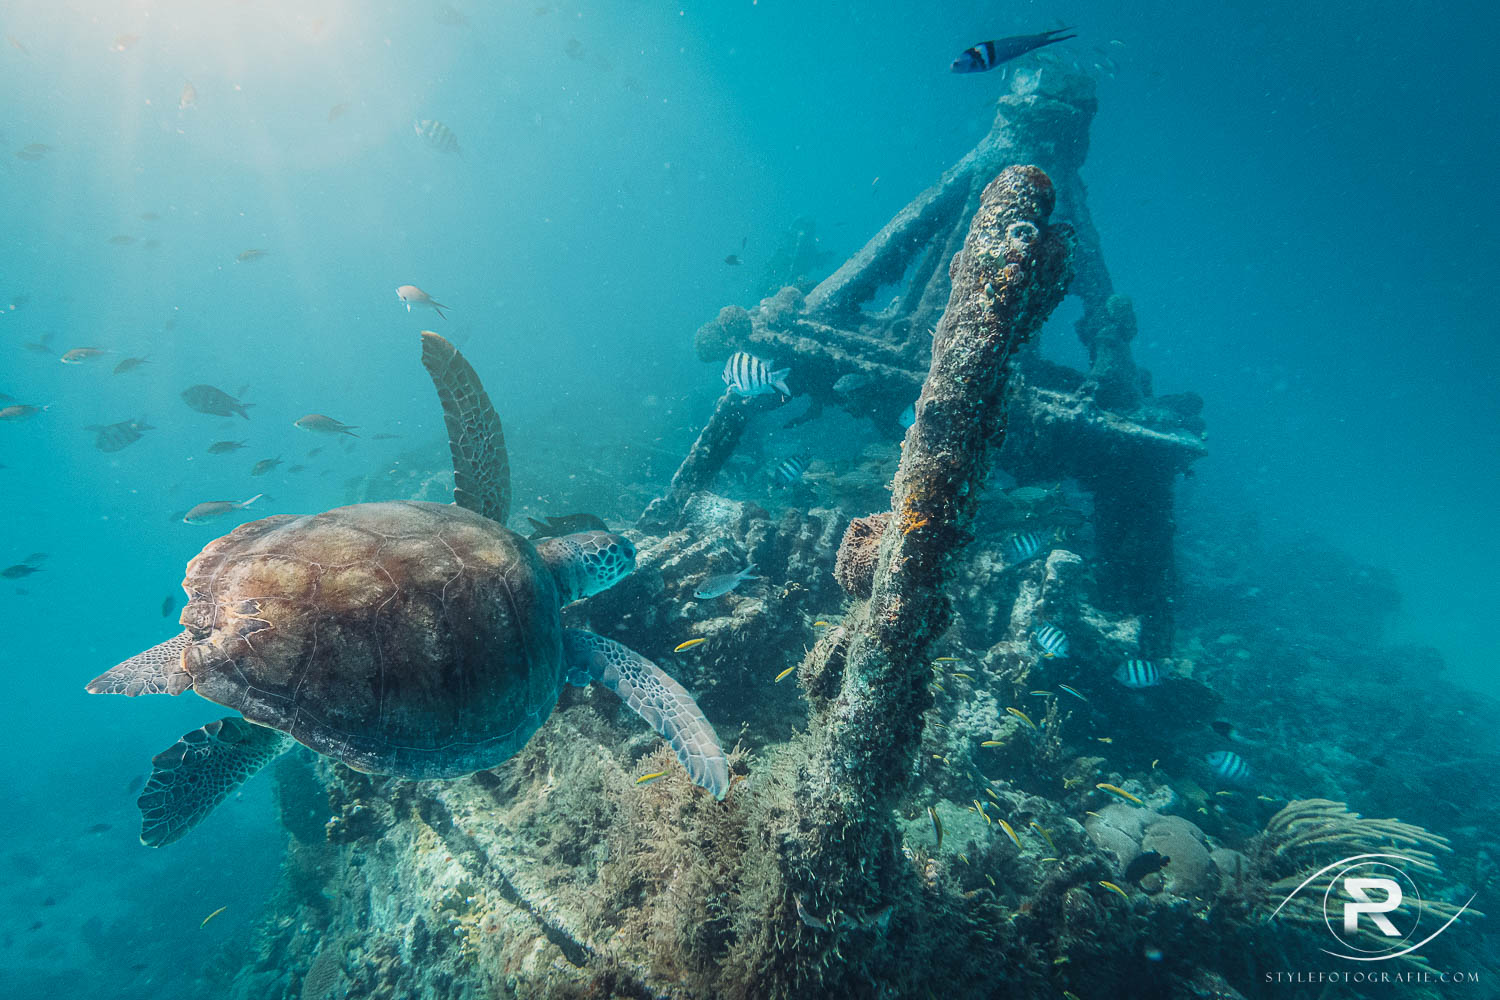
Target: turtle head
588	562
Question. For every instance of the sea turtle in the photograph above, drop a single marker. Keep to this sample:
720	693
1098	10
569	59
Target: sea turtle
420	640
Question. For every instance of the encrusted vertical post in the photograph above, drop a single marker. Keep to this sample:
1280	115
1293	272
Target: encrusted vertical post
1011	273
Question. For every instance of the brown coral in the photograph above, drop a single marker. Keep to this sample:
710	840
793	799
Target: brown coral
855	567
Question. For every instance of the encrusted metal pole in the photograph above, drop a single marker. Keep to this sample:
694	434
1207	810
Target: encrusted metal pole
713	447
873	680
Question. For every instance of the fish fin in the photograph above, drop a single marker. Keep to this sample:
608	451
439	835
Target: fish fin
438	308
158	670
349	429
193	775
748	573
653	695
240	408
481	464
245	503
777	381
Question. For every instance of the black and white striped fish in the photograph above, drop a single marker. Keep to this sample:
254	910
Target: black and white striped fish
113	437
1023	545
788	471
1053	640
1230	767
1137	674
988	55
746	375
437	135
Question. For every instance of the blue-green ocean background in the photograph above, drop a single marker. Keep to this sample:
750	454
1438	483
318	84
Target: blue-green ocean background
1299	198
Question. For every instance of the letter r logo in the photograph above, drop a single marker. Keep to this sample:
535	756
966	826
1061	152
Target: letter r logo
1358	889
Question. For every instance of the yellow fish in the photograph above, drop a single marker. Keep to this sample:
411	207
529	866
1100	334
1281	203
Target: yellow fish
961	676
822	624
1011	834
992	880
1105	739
1117	790
1072	692
937	827
781	676
1022	716
1040	694
212	915
1070	995
1155	762
688	645
1114	888
992	743
646	779
1045	835
946	659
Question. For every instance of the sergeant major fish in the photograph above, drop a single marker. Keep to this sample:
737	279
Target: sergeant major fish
1138	674
788	471
437	136
718	586
988	55
1053	640
1230	767
746	375
1021	546
113	437
211	509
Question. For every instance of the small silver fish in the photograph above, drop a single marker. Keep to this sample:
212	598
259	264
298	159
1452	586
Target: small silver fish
79	355
189	97
225	447
250	256
851	383
718	586
130	365
264	466
411	295
210	509
213	401
21	411
325	425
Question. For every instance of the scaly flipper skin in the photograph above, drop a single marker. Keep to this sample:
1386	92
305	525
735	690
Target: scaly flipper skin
156	671
655	697
193	775
481	465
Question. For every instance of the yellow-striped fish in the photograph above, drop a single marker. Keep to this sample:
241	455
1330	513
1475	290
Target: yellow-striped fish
992	743
937	827
1044	693
1105	739
646	779
1045	835
1070	995
1011	834
782	676
958	675
1072	692
1022	716
946	659
688	645
212	915
992	880
1117	790
1114	888
820	623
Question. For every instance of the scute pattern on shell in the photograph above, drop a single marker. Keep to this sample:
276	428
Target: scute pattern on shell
415	639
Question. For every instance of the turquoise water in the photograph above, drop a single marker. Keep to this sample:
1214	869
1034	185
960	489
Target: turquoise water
1297	199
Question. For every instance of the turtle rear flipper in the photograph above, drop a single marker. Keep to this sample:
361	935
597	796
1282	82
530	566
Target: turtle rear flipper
191	777
481	464
156	671
653	695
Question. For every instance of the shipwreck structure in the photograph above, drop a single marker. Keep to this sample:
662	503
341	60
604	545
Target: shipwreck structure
873	321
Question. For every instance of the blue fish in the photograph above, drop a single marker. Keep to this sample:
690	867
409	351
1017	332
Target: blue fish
1138	674
1230	767
1022	546
746	375
1053	640
988	55
718	586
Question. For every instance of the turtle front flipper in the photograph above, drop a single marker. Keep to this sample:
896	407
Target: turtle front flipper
158	670
193	775
481	465
655	697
